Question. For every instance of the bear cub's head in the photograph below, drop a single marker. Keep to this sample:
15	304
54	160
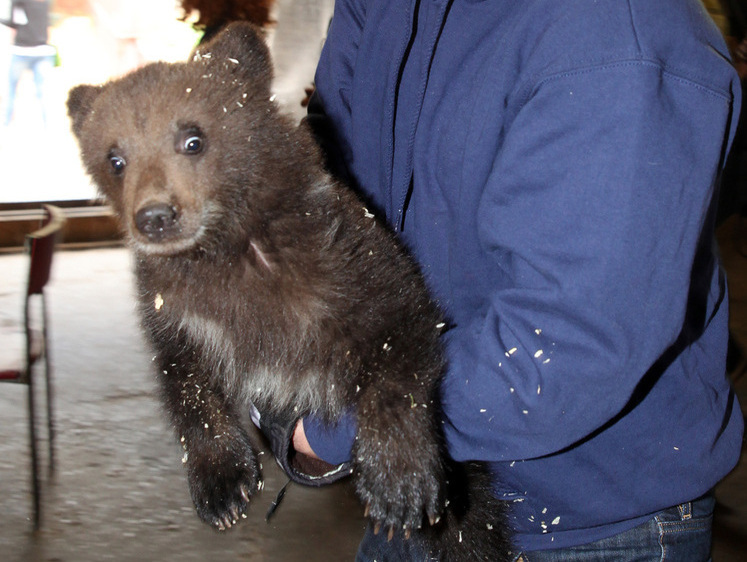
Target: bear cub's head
187	153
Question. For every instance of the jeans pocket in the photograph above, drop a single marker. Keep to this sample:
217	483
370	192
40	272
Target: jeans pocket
685	530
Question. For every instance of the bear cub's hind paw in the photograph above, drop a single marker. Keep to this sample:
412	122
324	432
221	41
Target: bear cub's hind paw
402	495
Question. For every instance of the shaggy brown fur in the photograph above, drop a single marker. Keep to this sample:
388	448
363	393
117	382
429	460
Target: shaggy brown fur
263	280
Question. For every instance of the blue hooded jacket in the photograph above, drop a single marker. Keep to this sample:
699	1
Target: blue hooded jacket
552	166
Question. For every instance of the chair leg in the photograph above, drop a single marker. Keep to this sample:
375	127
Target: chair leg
50	390
35	484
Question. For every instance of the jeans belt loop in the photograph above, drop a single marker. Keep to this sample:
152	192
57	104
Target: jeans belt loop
686	511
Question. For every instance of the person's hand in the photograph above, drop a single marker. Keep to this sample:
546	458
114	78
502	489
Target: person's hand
300	443
287	438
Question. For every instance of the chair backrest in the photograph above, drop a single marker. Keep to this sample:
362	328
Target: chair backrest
41	245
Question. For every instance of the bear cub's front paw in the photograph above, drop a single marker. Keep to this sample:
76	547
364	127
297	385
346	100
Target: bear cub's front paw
222	485
400	488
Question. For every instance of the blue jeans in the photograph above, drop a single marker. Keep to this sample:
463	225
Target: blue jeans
40	67
376	548
680	534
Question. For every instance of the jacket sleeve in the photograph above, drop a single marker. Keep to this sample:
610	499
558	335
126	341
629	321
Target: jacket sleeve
595	222
278	428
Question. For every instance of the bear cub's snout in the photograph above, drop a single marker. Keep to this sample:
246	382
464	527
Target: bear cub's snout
158	221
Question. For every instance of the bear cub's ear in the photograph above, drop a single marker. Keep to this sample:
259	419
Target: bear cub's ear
80	101
243	43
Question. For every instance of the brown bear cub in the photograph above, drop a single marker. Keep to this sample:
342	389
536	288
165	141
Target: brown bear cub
263	281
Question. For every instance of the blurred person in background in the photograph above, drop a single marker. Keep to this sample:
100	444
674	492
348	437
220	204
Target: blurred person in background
121	24
30	50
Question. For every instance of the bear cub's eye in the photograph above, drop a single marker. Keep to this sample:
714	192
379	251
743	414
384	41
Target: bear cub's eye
193	144
190	141
117	163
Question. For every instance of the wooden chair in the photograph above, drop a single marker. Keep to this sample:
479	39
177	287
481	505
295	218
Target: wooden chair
40	246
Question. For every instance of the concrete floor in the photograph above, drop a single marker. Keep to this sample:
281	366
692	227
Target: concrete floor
119	492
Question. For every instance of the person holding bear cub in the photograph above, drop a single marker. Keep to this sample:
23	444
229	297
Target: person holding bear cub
553	168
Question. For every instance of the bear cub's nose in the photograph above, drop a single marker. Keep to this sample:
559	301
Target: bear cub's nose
157	221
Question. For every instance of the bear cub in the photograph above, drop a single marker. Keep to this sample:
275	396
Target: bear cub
262	281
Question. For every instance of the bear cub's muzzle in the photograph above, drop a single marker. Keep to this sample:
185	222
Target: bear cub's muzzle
159	222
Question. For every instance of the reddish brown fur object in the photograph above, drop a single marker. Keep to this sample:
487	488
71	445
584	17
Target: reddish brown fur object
263	280
217	13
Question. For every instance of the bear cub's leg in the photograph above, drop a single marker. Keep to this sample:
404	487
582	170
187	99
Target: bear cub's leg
221	463
400	471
